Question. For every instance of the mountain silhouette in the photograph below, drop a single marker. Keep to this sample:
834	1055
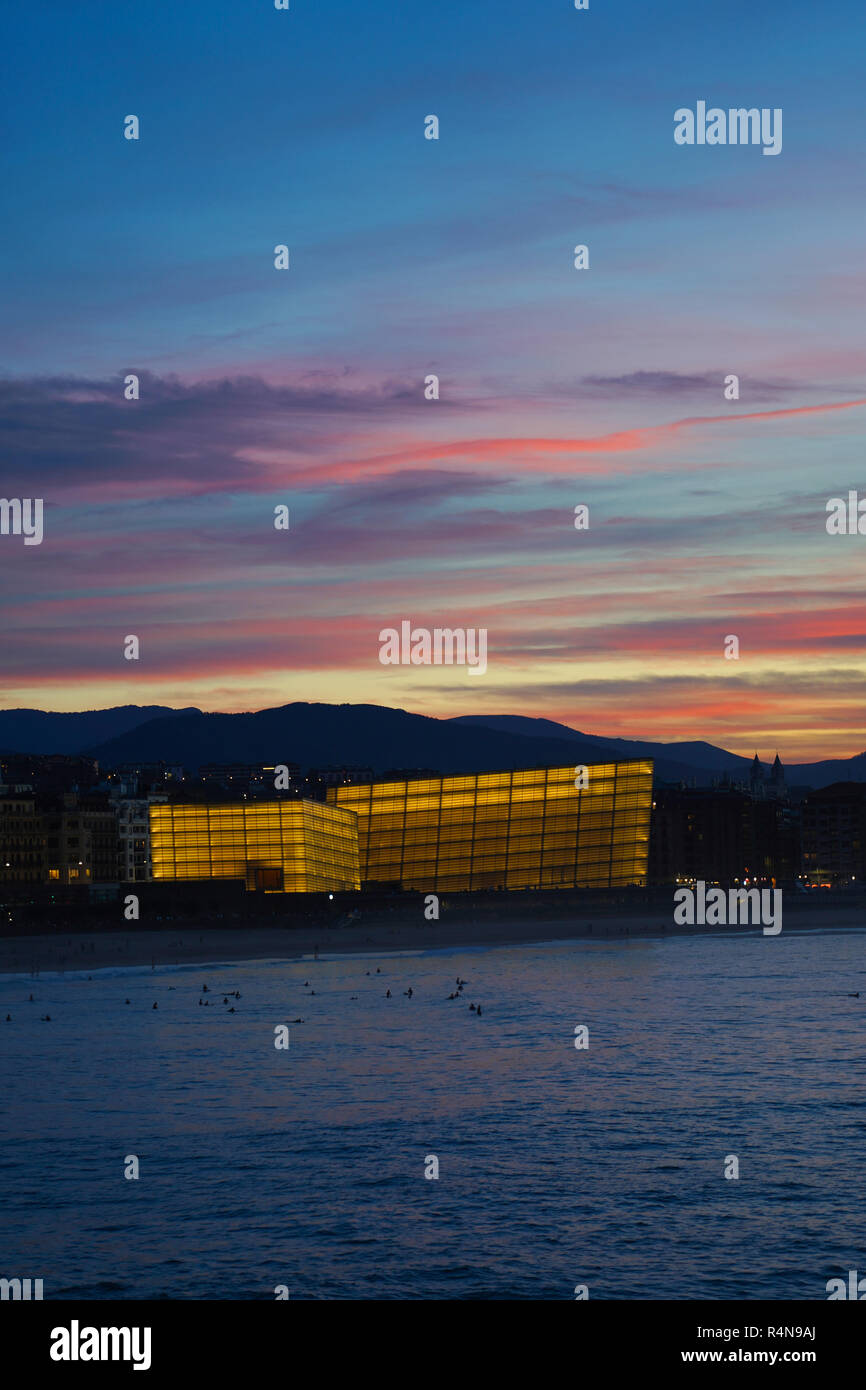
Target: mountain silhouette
45	731
315	735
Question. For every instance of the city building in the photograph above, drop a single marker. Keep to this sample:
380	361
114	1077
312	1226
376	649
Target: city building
338	774
81	843
247	779
51	774
22	840
528	829
139	779
834	834
769	788
289	846
133	838
723	835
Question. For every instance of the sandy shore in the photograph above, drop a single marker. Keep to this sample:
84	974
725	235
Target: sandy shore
190	945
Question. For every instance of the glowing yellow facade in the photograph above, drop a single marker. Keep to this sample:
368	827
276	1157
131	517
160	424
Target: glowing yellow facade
506	829
280	846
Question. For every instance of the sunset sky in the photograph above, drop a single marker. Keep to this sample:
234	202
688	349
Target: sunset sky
455	257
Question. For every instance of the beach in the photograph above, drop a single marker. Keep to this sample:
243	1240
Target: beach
185	943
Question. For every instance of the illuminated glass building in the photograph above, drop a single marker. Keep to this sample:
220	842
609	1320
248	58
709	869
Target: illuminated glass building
505	829
279	846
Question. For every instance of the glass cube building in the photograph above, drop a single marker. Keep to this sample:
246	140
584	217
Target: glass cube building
505	829
278	846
